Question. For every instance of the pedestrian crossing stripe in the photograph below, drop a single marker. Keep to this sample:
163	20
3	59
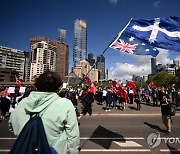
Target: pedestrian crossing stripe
115	150
127	144
112	138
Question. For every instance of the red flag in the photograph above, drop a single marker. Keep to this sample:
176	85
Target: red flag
152	85
114	83
86	78
18	82
5	93
119	90
92	89
113	90
122	93
131	84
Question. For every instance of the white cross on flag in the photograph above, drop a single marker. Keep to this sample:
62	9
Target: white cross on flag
159	32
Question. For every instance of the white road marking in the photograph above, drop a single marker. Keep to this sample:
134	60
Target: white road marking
7	138
128	144
122	144
115	150
172	150
129	114
112	138
4	150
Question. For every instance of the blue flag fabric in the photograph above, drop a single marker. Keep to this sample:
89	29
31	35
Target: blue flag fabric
132	45
159	32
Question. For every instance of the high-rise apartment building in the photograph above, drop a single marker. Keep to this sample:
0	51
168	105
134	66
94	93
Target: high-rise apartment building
7	75
62	35
100	65
33	41
43	58
47	55
62	58
13	59
80	41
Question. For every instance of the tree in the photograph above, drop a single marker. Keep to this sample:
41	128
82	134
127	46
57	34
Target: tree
163	78
141	84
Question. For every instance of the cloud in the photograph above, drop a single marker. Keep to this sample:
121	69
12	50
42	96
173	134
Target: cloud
178	58
126	71
114	2
141	66
156	4
162	57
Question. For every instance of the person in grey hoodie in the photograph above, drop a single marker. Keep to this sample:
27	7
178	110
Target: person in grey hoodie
59	117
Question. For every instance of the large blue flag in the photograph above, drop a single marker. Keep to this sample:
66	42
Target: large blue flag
132	45
159	32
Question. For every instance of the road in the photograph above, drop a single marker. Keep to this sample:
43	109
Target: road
117	134
126	134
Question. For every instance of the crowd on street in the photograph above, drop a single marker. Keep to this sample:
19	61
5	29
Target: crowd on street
105	97
64	115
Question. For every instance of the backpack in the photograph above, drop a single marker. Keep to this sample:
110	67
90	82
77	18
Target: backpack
172	110
32	139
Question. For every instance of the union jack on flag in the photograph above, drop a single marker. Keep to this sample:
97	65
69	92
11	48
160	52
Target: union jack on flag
132	45
123	46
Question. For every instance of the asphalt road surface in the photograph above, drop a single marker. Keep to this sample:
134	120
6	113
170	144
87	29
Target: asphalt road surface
117	134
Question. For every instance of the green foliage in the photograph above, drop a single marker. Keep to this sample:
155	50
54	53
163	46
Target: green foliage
141	84
71	84
163	79
104	84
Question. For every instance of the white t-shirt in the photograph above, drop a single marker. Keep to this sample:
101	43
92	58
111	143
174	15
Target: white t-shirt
104	92
131	91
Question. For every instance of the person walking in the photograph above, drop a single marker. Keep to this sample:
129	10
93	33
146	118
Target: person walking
114	100
165	105
59	117
100	96
155	97
87	101
148	96
4	107
109	99
104	95
138	99
131	96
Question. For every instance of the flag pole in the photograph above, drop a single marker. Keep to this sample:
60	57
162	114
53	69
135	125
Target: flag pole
110	44
103	52
90	69
94	64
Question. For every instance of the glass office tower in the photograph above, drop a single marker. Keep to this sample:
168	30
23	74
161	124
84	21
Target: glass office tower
80	41
153	66
62	35
100	65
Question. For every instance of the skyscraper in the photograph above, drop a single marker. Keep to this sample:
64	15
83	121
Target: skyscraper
80	41
62	35
47	55
153	66
91	60
43	58
100	65
13	59
62	58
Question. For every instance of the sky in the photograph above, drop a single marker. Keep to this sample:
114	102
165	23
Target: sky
23	19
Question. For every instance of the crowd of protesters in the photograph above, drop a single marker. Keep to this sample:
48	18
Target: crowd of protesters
110	98
104	96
